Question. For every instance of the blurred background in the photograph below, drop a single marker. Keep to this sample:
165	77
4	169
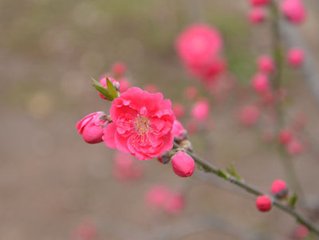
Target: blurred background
52	183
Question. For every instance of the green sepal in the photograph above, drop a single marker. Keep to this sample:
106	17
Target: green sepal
110	93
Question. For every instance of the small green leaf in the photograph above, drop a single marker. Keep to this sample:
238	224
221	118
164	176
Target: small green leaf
104	91
293	200
222	174
231	170
111	89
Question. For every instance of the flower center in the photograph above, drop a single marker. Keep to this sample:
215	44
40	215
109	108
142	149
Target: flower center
142	125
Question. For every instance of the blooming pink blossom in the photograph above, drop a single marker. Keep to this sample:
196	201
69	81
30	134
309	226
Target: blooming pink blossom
249	115
125	168
294	10
265	64
200	110
179	132
199	47
103	82
91	127
183	164
259	2
141	124
257	15
296	57
260	83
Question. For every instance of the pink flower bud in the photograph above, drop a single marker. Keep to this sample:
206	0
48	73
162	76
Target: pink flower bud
279	188
103	82
285	136
200	111
257	15
294	11
179	110
183	164
265	64
259	2
118	69
260	83
249	115
263	203
91	127
296	57
294	147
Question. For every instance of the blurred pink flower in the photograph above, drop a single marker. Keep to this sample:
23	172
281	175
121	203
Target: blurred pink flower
293	10
296	57
141	124
200	111
91	127
259	2
260	83
249	115
118	69
265	64
257	15
178	109
85	231
199	47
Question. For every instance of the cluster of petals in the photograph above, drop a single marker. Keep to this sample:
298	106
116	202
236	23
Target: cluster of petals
199	47
125	168
141	124
293	10
162	198
91	127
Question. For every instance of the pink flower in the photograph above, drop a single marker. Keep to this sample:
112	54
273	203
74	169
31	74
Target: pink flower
259	2
199	47
257	15
91	127
294	10
260	83
301	232
179	110
200	111
265	64
279	189
296	57
141	124
103	82
263	203
125	167
183	164
249	115
179	132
